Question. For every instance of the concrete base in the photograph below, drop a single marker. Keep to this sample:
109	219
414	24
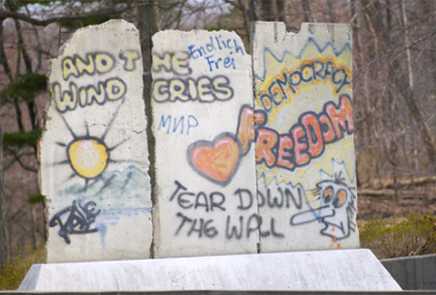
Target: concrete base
357	270
413	272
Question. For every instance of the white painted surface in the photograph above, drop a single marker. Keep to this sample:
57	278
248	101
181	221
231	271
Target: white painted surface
97	152
197	143
314	67
350	270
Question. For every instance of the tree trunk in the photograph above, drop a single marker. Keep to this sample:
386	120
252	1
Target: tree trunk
3	59
307	11
246	19
252	11
331	11
407	43
147	17
282	10
33	228
409	97
4	239
266	8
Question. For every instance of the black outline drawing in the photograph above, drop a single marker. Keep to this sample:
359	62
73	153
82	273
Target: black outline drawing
79	220
328	208
87	136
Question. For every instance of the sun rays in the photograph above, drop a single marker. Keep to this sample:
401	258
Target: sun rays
89	155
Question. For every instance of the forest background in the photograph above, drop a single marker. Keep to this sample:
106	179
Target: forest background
394	84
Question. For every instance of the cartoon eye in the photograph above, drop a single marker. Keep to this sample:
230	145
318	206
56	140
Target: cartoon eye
327	194
341	198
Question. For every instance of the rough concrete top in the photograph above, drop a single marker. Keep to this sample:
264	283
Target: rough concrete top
353	270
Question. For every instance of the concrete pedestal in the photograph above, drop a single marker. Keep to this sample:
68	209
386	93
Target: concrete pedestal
357	270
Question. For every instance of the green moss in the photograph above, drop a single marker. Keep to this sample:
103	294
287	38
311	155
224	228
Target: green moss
26	86
13	273
414	235
20	139
36	199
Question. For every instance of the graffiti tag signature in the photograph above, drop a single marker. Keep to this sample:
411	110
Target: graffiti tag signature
75	219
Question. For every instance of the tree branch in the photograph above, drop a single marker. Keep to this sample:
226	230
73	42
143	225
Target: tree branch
17	157
44	22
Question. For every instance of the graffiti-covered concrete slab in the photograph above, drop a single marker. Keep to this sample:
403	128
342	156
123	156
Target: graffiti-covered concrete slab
346	270
202	121
94	159
304	144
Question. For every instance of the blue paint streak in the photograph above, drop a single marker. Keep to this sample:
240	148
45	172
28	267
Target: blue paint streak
102	230
311	40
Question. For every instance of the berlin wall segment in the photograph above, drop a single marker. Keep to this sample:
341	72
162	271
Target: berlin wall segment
94	154
211	144
202	84
304	136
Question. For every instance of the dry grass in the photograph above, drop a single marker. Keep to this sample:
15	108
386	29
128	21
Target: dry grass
393	237
413	235
13	273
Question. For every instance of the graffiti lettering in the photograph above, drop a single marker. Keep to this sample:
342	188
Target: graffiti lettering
253	224
216	63
282	198
201	226
203	89
76	66
245	227
245	131
177	125
306	139
130	57
172	62
282	86
75	219
236	226
95	62
187	199
216	44
112	89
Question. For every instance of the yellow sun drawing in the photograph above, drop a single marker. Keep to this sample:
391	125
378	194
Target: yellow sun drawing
87	155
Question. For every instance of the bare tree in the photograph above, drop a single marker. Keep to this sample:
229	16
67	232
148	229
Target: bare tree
23	68
307	11
408	93
331	11
4	240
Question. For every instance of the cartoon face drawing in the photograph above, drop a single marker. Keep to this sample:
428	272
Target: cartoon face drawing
336	209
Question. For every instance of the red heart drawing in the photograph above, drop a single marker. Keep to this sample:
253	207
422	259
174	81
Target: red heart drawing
218	160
